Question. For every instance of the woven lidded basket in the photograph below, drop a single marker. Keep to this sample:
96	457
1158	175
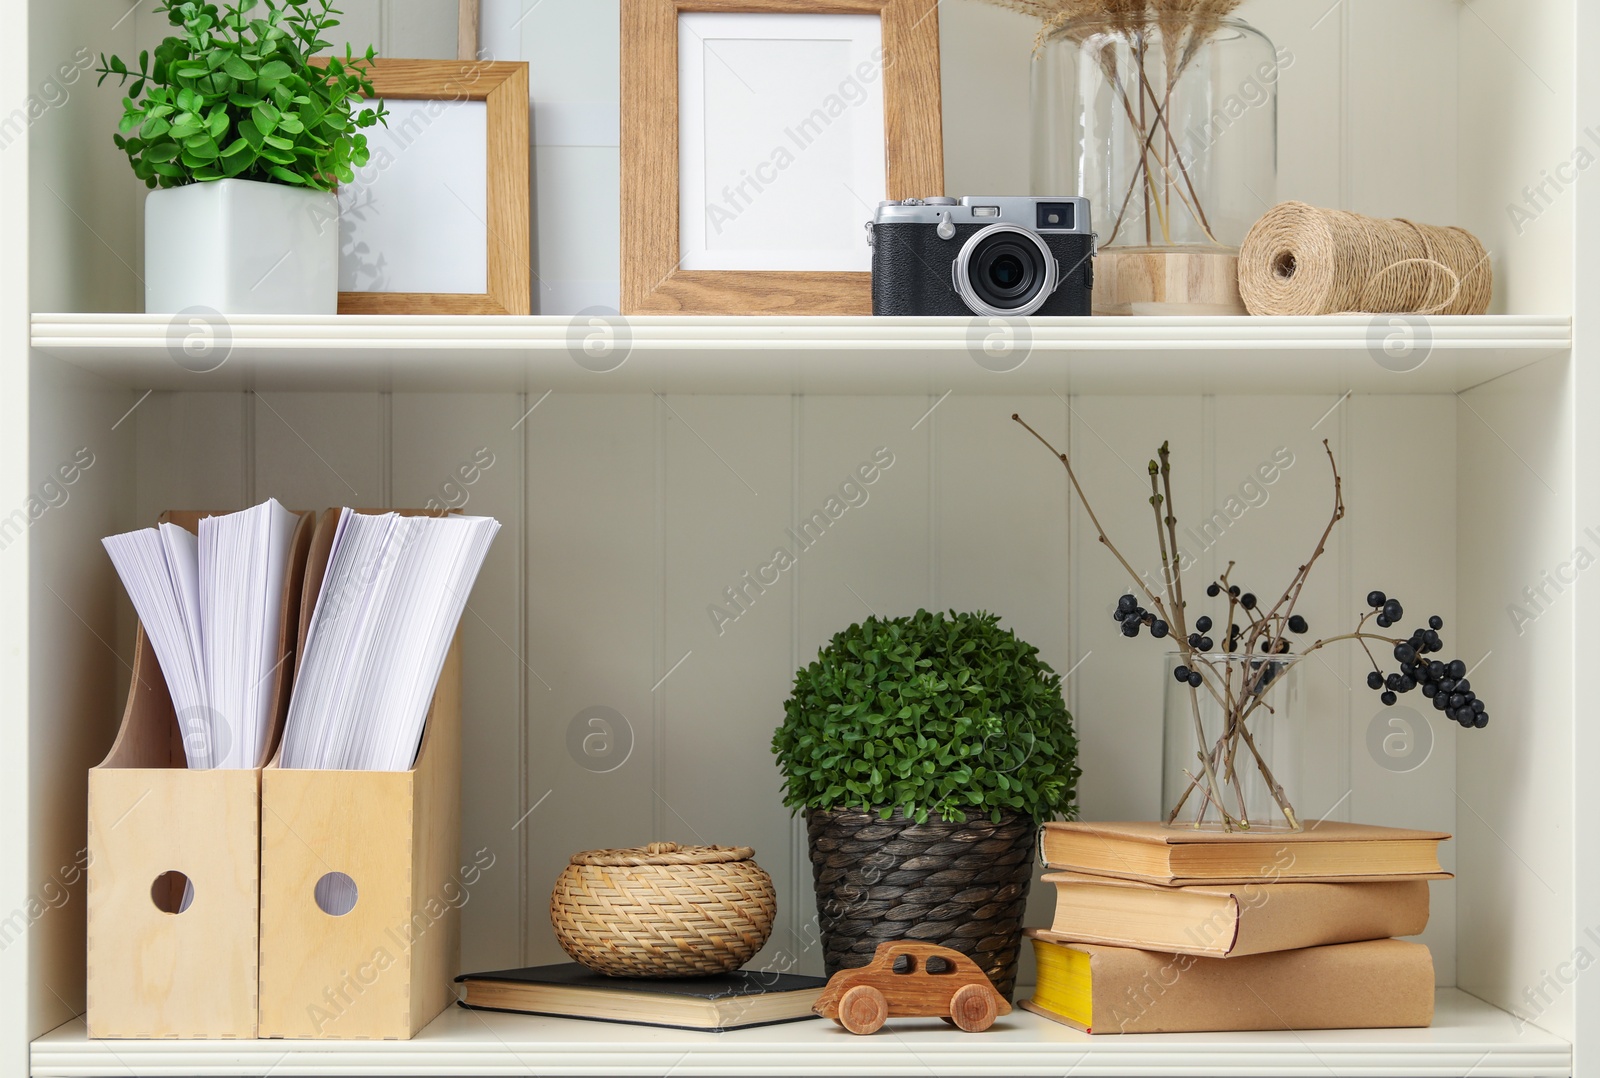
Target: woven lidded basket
663	910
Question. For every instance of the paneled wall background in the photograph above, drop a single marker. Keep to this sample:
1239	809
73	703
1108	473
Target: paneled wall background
626	517
1335	148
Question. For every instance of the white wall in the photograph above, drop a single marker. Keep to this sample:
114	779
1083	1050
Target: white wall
16	839
1519	131
1585	399
1371	113
1513	792
626	516
1517	471
83	255
1335	148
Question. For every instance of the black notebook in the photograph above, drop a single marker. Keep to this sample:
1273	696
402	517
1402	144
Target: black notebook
568	990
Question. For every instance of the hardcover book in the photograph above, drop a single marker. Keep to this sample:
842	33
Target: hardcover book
569	990
1237	919
1327	852
1368	985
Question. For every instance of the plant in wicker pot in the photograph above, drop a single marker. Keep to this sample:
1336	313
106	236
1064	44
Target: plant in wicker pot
924	751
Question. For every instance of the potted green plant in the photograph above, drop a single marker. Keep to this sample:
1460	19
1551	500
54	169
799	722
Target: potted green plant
925	751
244	137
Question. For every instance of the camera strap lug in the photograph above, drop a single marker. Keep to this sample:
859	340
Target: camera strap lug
872	239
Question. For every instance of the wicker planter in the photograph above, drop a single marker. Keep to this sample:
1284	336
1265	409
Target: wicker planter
960	885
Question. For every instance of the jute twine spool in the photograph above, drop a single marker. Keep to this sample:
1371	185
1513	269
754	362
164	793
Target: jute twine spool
1299	259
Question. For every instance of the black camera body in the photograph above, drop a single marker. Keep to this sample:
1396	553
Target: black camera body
982	255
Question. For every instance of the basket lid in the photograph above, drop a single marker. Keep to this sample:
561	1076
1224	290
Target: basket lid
664	853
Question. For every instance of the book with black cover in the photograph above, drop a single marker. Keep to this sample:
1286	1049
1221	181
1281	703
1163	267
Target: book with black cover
568	990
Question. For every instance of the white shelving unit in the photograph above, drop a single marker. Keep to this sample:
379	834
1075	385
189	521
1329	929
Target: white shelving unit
1468	1037
642	465
1356	353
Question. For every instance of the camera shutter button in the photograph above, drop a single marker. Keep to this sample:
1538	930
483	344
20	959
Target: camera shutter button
946	229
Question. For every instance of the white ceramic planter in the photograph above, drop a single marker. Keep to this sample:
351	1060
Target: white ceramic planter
241	247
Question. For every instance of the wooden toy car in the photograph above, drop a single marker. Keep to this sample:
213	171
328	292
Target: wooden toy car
912	980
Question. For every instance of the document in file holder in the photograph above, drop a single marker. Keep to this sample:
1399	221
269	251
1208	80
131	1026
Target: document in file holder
210	605
394	589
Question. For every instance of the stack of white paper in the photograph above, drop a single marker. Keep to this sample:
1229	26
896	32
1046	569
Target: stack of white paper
211	606
151	567
393	593
243	560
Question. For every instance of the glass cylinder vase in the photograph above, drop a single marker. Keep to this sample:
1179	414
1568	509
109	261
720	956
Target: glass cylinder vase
1169	126
1233	745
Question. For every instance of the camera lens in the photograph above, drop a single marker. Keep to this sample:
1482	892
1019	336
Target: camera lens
1005	270
1005	274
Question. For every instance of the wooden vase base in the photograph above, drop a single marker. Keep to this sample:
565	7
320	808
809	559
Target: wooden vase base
1167	280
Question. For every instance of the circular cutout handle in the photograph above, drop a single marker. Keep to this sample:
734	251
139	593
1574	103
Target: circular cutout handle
335	894
172	892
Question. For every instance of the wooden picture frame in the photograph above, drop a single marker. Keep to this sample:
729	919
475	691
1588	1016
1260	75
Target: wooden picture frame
503	87
653	281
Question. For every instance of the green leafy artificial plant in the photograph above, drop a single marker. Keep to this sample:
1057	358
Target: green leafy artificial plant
237	96
931	715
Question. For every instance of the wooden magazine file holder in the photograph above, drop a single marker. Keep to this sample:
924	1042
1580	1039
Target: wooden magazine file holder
384	969
190	972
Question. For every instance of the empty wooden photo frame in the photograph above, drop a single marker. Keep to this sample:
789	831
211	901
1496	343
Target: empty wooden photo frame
758	137
437	221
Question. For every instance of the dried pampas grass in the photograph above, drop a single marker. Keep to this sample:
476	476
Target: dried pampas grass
1144	47
1174	18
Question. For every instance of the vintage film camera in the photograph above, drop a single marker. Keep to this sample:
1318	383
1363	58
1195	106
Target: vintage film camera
982	255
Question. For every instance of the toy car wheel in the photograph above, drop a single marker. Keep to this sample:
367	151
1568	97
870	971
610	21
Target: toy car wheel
973	1008
863	1009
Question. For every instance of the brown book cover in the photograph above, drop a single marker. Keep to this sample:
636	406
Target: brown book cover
1368	985
1233	920
1325	852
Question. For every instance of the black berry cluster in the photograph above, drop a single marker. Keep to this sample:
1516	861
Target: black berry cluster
1445	683
1134	617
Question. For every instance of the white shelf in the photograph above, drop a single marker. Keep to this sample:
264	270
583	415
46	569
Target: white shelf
1468	1037
802	355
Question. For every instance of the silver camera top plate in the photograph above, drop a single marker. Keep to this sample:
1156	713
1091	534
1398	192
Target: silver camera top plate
1021	210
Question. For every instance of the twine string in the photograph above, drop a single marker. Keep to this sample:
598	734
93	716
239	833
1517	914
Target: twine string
1435	308
1301	260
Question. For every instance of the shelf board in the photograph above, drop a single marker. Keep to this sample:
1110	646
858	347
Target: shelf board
1468	1037
907	356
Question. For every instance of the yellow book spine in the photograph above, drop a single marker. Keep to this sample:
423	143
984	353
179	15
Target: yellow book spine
1066	983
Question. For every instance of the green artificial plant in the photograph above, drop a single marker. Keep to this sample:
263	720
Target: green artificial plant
238	95
930	714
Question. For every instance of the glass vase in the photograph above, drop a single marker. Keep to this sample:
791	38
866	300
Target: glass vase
1233	745
1167	124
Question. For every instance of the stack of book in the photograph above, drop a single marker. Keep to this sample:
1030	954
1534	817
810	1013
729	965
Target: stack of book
1163	930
